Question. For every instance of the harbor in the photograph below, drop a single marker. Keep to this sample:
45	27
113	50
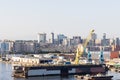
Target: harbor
62	65
81	62
52	65
59	40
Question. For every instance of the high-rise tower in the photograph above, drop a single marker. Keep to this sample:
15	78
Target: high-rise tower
41	37
52	38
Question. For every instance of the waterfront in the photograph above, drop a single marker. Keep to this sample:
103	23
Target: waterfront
6	74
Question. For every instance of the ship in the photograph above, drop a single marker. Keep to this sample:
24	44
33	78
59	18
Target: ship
61	70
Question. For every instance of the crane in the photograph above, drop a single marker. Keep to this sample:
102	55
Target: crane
81	48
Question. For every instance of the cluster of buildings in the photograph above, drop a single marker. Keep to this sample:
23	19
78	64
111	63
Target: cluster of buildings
60	44
40	58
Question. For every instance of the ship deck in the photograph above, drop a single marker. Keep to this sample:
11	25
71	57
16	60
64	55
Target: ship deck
44	66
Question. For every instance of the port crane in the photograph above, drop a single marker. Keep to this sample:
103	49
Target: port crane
82	47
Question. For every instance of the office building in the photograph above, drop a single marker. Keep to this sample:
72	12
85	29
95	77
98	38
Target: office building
51	38
60	38
41	37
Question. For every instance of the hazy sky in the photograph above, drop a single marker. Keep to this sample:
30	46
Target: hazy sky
23	19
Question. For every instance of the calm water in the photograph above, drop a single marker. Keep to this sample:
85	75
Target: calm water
6	74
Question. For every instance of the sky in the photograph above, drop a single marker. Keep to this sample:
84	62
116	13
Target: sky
24	19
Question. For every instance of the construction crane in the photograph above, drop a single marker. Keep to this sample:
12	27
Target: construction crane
82	47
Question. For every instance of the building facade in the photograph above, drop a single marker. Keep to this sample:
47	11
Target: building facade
41	37
51	38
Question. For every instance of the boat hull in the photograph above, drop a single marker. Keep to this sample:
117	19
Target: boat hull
62	70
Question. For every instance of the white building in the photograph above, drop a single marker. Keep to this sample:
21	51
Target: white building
51	38
41	37
65	42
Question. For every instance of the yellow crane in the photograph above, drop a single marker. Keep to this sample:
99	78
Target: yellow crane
81	48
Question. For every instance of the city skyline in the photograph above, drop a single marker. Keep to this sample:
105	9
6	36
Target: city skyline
25	18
